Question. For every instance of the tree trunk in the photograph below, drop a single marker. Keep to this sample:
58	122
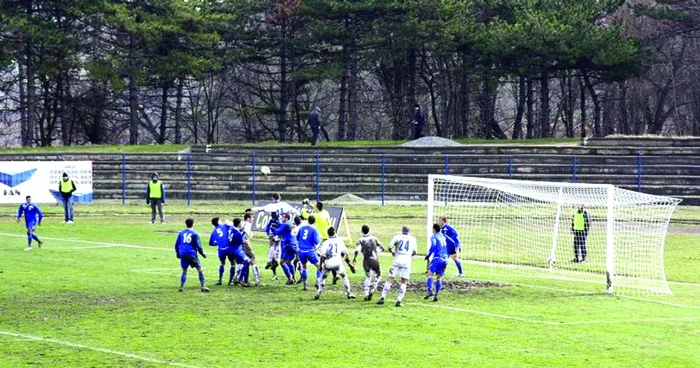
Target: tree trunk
133	92
163	113
544	106
284	90
178	110
520	108
464	100
61	87
623	126
31	88
22	101
529	134
352	91
597	129
583	108
342	127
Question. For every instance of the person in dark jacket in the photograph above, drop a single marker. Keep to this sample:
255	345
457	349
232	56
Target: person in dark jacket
418	122
66	187
316	128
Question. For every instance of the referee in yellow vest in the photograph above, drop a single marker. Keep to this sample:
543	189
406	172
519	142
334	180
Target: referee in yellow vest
580	223
66	187
155	196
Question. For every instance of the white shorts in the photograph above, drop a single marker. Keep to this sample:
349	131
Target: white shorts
334	264
400	272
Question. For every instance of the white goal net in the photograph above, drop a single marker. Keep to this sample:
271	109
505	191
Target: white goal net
617	239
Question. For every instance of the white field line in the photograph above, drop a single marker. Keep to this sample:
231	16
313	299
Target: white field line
92	242
554	323
102	350
614	296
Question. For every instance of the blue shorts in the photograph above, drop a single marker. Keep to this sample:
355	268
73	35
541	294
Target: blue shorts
239	255
288	253
31	226
453	249
438	266
225	253
308	256
189	260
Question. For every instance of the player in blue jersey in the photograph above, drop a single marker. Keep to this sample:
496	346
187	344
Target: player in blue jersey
273	252
438	261
452	247
187	246
308	239
238	242
289	247
219	239
32	217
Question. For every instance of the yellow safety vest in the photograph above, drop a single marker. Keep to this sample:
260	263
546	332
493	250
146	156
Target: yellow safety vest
579	221
155	190
323	222
66	186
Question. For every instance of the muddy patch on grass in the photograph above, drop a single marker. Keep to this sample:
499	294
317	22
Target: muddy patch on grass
458	285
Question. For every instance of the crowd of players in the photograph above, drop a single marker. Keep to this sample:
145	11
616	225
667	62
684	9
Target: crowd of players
299	239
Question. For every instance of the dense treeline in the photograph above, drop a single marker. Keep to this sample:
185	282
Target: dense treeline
210	71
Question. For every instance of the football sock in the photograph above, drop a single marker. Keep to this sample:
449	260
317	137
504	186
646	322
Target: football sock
29	239
201	278
387	288
429	285
346	282
256	273
402	292
459	266
368	282
221	272
233	271
319	273
246	272
274	269
303	274
438	287
183	278
285	268
35	237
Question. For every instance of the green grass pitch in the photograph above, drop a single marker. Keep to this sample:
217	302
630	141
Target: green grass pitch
103	293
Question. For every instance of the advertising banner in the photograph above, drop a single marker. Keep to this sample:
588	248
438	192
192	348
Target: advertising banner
40	179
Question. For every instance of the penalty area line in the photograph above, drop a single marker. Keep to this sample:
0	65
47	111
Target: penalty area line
102	350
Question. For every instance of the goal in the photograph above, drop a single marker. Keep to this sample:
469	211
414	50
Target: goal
517	226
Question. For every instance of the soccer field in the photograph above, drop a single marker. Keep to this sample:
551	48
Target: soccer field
103	293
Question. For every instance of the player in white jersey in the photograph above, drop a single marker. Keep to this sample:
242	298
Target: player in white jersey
403	247
247	230
333	255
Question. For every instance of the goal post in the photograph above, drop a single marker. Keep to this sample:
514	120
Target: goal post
616	239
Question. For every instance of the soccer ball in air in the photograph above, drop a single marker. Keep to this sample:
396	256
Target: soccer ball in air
265	170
